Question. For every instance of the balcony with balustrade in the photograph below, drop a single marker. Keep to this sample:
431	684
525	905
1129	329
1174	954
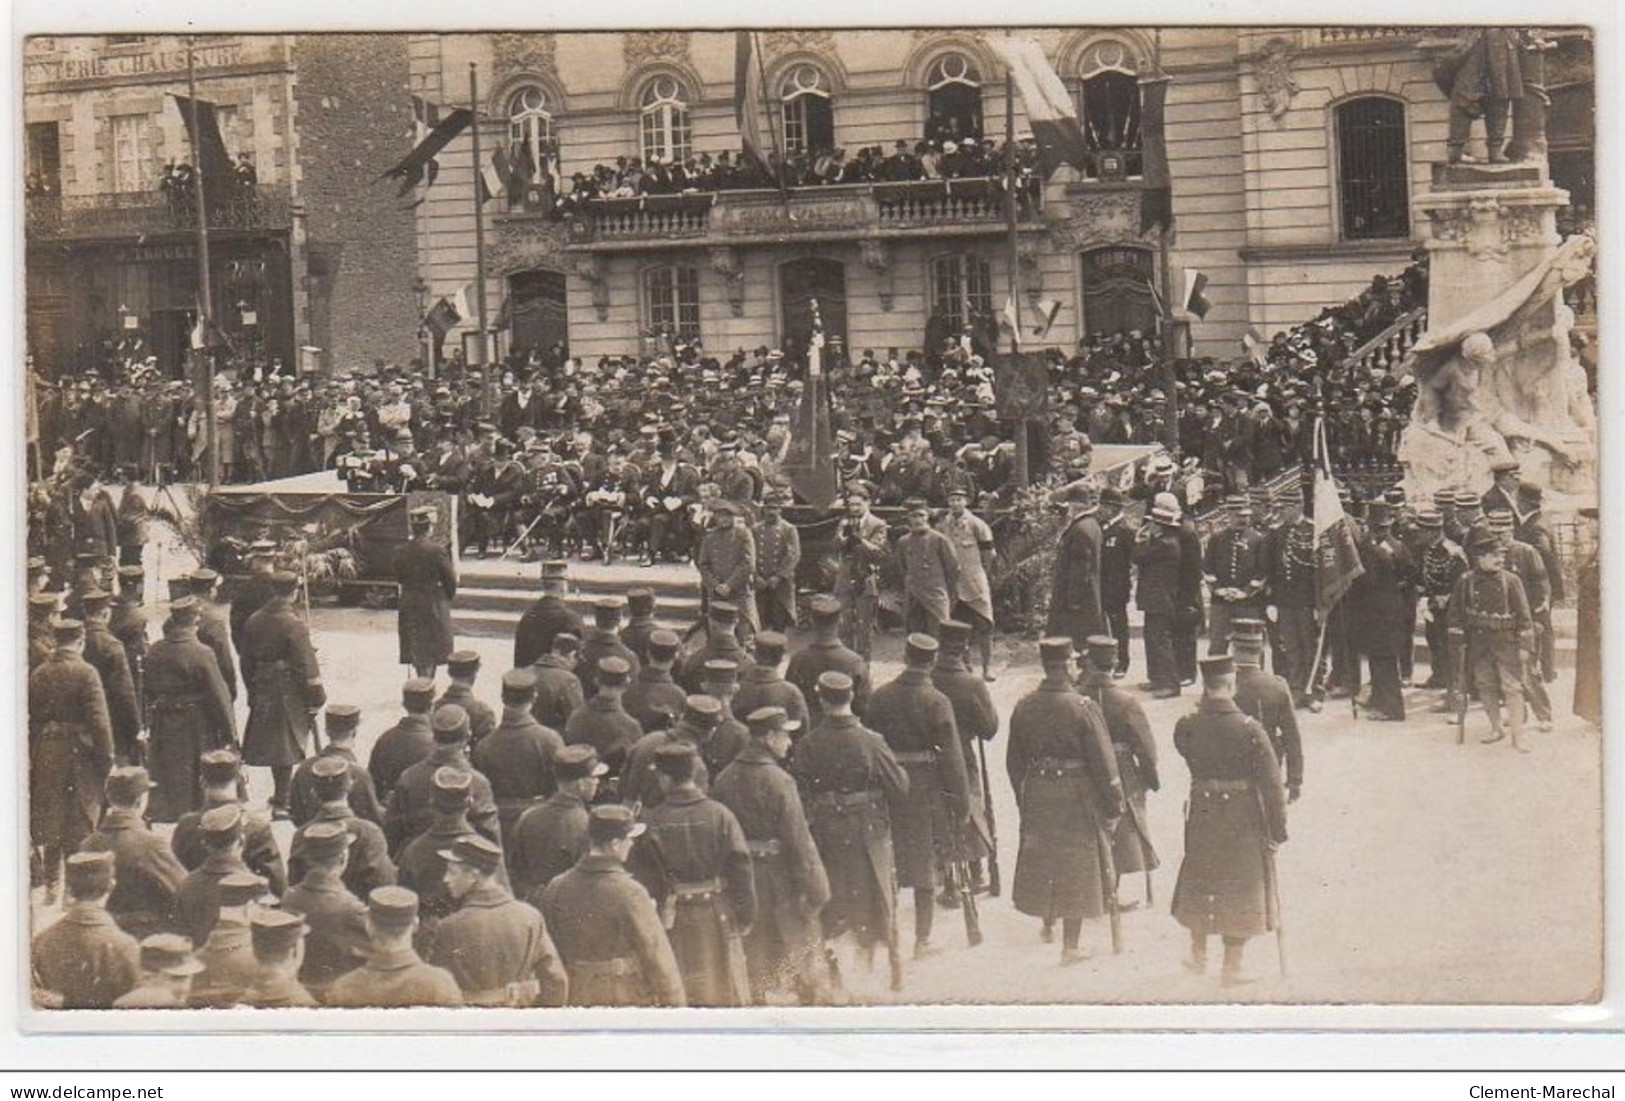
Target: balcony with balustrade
121	215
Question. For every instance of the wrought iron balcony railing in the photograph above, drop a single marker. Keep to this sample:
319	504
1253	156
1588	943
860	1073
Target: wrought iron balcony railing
137	213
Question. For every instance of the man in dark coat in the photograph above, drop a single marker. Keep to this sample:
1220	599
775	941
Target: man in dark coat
85	961
198	901
558	689
213	626
1159	554
411	805
1439	564
640	608
917	722
463	667
1235	569
1532	531
147	875
654	698
778	553
277	939
721	644
129	626
602	722
494	945
343	721
977	721
1268	699
1292	592
849	781
551	835
421	866
227	952
1136	753
727	563
825	653
1064	772
548	616
696	727
394	975
517	757
1374	609
695	864
256	589
782	948
761	685
284	687
406	743
1075	592
368	864
106	655
221	774
605	925
337	941
428	582
1234	822
603	640
70	750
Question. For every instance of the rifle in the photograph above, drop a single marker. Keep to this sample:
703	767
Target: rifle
1108	886
959	870
1272	882
992	839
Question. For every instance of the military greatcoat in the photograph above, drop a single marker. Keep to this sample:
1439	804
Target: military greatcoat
549	616
70	750
610	937
428	585
190	713
977	721
546	842
106	655
284	685
498	950
395	979
146	874
1075	607
917	722
85	961
1136	753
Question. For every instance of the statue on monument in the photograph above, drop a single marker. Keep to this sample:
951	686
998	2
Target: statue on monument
1503	382
1491	73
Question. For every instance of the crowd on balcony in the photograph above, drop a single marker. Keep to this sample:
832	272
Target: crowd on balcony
632	177
178	184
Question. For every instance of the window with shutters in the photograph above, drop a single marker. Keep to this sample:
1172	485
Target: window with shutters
962	290
667	133
809	119
1373	186
129	153
671	302
532	150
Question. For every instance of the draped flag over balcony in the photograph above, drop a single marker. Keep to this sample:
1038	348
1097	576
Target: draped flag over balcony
208	147
419	166
748	99
1050	110
1157	200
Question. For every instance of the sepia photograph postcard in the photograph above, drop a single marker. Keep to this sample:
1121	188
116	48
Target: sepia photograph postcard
778	519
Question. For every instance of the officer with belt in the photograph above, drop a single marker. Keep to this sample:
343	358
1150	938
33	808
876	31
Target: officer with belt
1268	699
1489	614
1439	565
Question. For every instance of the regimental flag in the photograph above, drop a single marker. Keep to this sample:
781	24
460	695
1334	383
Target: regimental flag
205	334
419	166
810	461
442	318
748	99
1010	322
460	300
1195	301
1157	199
1337	556
1049	107
1048	308
493	181
208	147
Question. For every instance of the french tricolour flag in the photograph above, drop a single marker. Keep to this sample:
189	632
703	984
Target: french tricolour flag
1049	106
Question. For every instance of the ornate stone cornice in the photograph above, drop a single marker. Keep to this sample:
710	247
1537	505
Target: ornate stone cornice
798	40
1092	220
643	47
527	244
534	53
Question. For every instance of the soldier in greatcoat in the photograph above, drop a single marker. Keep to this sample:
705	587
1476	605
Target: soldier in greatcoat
1268	699
930	568
1075	609
727	564
342	721
1136	753
42	609
558	688
284	687
277	940
428	582
1159	554
368	864
129	626
721	644
863	542
220	771
1064	773
106	655
654	697
1439	565
778	553
495	946
1489	614
410	810
762	685
227	952
407	742
850	782
696	726
1375	608
463	667
70	749
198	902
720	680
213	625
84	960
977	721
826	653
551	835
640	624
518	755
147	875
394	975
1234	822
694	863
917	722
1116	572
421	867
603	640
972	541
337	941
602	722
782	948
548	616
605	925
255	590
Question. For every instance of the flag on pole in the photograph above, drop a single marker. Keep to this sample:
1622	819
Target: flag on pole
1048	308
419	166
493	182
1195	301
1010	321
205	334
459	301
1157	200
1337	556
442	317
810	461
748	99
208	147
1049	107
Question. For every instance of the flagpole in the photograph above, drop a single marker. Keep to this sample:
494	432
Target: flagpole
772	128
1170	329
205	292
488	393
1023	431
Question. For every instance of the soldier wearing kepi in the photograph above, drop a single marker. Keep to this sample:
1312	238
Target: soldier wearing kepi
227	953
167	968
778	553
602	722
70	749
727	563
463	668
1235	568
189	709
654	697
1268	699
284	687
558	688
84	960
518	756
1064	772
394	976
551	836
1526	564
407	742
129	626
1075	599
549	616
1136	753
368	864
696	726
694	862
761	685
603	640
421	867
106	655
863	542
147	874
222	773
411	805
782	948
605	924
278	942
428	584
495	946
826	653
1489	615
213	625
977	721
255	591
917	722
1234	822
640	610
1439	565
337	942
849	782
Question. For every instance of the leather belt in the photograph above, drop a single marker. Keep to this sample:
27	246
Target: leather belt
1220	787
1059	766
514	995
847	800
698	891
176	703
762	849
614	968
922	758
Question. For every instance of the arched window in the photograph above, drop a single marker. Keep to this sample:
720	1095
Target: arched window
809	121
671	302
962	291
953	99
530	127
1117	295
1110	112
666	130
1373	185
